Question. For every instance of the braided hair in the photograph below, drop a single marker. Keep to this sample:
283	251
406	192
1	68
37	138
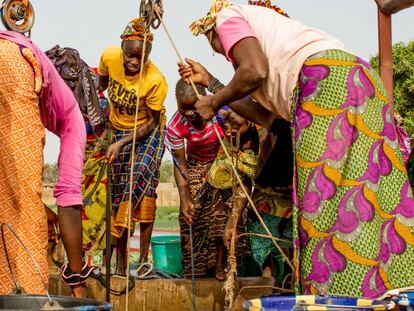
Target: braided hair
185	90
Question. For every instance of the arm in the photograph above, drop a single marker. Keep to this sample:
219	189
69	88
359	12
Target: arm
248	108
238	207
245	107
103	83
142	132
186	202
252	69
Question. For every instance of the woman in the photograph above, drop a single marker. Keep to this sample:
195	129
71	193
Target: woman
32	97
351	192
119	72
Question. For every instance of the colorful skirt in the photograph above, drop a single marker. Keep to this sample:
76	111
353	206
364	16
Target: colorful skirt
94	181
275	206
353	205
212	210
146	172
21	166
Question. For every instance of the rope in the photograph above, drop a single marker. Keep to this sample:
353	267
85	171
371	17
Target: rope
129	208
193	285
229	284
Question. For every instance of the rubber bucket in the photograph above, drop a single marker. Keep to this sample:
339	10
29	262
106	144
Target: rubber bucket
316	303
405	301
166	251
38	302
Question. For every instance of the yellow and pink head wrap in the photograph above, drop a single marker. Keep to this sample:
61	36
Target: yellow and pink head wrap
135	30
207	23
268	4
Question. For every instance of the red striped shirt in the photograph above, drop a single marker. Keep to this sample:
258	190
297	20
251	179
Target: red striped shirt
201	145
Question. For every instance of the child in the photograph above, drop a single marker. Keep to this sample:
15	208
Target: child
194	146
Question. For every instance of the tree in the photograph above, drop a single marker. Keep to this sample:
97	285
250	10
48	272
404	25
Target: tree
403	65
166	172
50	173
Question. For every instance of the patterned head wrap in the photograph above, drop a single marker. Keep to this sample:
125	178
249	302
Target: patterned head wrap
268	4
205	24
135	30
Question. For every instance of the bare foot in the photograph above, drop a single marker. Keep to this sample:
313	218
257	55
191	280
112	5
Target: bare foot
267	272
120	271
79	291
220	274
144	269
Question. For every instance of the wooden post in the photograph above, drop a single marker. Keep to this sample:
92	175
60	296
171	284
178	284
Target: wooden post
385	54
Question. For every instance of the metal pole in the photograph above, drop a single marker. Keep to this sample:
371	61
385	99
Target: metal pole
385	54
108	228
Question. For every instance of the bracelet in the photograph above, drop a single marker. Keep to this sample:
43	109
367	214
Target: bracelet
73	279
213	85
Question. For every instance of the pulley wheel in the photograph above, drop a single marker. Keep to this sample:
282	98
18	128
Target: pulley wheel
16	16
147	13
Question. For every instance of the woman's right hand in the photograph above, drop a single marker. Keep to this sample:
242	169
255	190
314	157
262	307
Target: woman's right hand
113	152
187	210
193	69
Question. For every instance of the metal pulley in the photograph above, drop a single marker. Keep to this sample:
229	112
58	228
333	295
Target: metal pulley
148	14
17	15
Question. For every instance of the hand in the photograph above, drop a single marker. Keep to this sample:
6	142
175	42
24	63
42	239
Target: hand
205	107
187	210
113	152
228	232
158	9
193	69
52	223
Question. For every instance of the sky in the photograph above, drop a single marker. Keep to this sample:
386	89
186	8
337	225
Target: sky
91	25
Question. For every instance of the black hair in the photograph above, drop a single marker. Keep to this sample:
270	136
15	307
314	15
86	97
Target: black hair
185	90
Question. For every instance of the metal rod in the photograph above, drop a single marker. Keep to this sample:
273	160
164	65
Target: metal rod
108	227
385	54
42	277
193	285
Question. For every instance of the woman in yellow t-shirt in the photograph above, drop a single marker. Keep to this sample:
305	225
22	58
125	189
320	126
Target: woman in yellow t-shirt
119	72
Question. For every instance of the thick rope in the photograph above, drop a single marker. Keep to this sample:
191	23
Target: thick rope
229	284
129	207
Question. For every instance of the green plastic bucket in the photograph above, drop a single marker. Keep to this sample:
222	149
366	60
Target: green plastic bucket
166	252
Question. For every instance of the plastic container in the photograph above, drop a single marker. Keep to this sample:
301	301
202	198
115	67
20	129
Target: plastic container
405	301
316	303
166	252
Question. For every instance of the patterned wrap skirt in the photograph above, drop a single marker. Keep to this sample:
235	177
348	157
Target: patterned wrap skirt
212	210
353	206
147	162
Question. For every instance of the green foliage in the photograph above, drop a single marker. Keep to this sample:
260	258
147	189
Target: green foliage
167	172
167	218
50	173
403	65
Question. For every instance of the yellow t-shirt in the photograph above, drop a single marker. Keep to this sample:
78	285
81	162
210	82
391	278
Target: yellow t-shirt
122	90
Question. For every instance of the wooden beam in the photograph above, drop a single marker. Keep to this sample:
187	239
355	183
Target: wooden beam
385	53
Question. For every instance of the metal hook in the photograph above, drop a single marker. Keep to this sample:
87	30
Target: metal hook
18	289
